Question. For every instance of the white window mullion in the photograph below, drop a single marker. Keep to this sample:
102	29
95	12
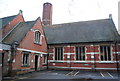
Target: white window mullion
56	54
103	54
78	53
35	37
60	53
107	52
111	53
38	37
82	52
25	59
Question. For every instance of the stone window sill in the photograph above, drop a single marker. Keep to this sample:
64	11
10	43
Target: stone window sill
25	65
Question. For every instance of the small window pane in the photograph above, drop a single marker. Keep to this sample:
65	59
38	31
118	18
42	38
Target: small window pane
58	53
105	53
37	37
26	59
80	53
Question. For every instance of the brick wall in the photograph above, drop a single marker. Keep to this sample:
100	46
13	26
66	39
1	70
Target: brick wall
5	65
27	45
89	63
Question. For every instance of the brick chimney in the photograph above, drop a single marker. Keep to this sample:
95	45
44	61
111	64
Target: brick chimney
47	14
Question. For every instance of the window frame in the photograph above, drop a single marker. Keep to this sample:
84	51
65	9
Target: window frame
28	63
57	54
40	37
107	55
44	59
84	53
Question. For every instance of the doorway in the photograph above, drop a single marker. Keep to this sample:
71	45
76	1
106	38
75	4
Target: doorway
36	62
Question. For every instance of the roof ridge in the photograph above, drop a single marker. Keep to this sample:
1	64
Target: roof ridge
91	31
78	22
6	20
8	16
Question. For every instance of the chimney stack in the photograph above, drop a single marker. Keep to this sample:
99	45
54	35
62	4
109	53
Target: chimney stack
110	16
47	14
20	12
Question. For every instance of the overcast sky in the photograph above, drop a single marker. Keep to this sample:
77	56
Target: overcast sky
64	11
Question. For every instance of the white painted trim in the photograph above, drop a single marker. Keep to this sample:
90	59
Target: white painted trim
85	52
68	53
40	42
82	61
68	46
41	39
110	50
21	49
63	52
36	30
9	55
106	61
54	53
14	61
69	67
44	59
75	53
116	52
22	60
82	68
92	53
29	59
51	53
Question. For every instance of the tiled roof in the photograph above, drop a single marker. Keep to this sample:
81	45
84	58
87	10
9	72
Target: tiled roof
19	32
81	32
6	20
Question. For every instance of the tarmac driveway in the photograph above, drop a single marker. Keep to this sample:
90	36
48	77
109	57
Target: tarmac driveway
69	75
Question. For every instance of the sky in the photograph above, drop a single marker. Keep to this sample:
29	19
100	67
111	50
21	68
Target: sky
64	11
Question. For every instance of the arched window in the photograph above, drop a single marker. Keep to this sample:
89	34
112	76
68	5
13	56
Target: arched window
37	37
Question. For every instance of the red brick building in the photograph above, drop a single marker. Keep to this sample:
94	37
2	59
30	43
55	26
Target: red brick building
7	24
88	45
28	47
35	45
